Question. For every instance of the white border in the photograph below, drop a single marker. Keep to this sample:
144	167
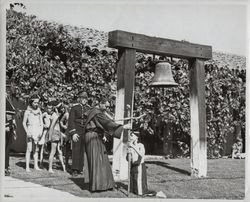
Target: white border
4	4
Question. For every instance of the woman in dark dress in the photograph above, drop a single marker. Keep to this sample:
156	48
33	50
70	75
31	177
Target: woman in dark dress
100	172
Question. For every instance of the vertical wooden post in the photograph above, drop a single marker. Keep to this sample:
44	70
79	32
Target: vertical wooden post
125	96
198	119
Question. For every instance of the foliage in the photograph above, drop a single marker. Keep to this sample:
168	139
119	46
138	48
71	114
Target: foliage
43	58
225	104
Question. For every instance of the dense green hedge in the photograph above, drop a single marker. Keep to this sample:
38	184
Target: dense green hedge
42	57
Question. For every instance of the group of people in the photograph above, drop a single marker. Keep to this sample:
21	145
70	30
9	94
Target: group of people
83	127
42	128
83	130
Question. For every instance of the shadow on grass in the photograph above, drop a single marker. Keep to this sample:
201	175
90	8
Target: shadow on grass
121	187
80	182
166	165
15	154
22	164
56	166
197	179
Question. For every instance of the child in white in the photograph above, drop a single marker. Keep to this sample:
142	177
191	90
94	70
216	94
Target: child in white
138	173
33	126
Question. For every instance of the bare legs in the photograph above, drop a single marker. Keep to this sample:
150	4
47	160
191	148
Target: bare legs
55	146
41	155
36	157
27	156
61	157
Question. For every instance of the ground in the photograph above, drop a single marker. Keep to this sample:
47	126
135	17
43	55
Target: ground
225	180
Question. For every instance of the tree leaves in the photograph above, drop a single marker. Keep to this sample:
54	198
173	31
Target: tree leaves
44	57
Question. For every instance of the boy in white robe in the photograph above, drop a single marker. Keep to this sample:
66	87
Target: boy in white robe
138	173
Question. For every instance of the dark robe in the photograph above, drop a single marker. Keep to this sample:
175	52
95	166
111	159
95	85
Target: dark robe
9	136
11	125
76	123
100	172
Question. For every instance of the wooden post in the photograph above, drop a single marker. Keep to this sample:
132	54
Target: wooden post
198	119
125	96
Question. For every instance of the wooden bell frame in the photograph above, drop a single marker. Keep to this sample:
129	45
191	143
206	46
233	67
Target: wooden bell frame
127	44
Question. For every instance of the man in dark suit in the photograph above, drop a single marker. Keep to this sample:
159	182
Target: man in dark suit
10	132
76	123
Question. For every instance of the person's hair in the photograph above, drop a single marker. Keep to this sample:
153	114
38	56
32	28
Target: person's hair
62	106
33	97
102	100
31	101
47	106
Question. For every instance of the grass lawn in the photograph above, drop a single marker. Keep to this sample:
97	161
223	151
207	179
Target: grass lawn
226	179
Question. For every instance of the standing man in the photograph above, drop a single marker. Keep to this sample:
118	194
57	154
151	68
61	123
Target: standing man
10	133
33	126
77	120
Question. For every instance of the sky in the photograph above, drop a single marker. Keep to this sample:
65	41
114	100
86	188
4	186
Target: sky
223	26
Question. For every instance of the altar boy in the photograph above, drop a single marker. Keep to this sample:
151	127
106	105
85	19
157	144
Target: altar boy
138	172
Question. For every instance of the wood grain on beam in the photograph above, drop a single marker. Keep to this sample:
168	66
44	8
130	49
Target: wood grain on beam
160	46
198	119
125	96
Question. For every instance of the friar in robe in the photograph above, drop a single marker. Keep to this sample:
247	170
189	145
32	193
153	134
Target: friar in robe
76	123
100	172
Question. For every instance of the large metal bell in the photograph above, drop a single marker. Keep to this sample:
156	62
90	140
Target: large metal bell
163	76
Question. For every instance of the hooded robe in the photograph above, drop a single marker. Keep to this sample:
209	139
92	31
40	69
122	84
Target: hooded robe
99	168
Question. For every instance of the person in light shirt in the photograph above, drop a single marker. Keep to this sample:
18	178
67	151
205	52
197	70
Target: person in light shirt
33	126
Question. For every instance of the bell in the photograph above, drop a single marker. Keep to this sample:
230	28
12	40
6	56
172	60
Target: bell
163	76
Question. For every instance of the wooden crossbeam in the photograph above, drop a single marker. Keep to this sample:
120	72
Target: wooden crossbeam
160	46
